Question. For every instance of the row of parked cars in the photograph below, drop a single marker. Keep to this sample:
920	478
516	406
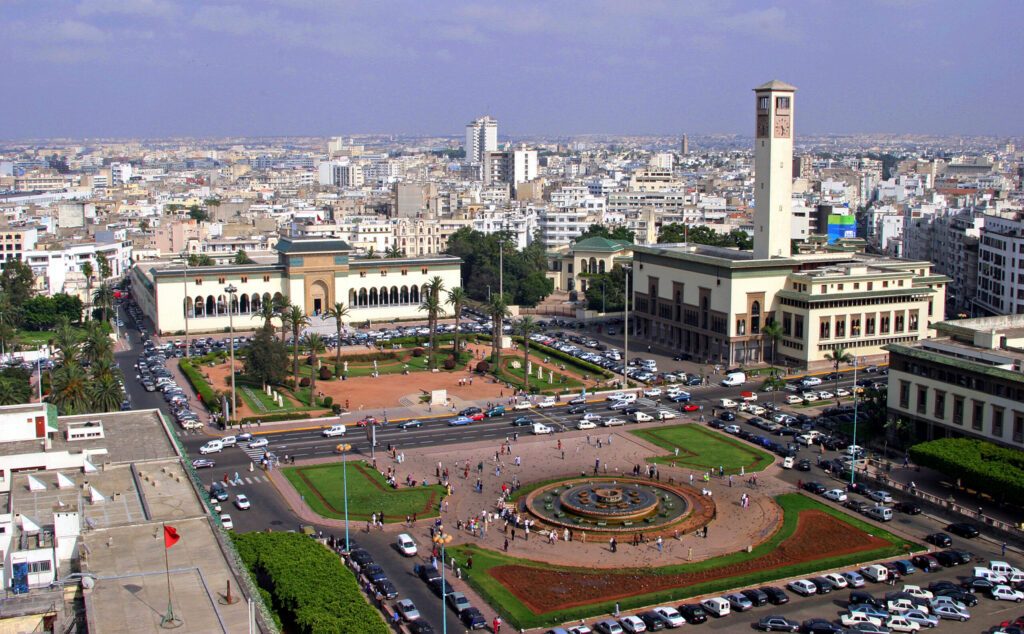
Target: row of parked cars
155	377
472	618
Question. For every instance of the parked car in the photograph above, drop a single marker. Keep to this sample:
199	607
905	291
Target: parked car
776	596
803	587
694	613
775	623
941	540
964	529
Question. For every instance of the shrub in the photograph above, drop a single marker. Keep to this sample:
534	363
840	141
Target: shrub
981	465
417	352
309	360
325	373
585	366
449	363
328	401
270	418
199	384
304	382
371	356
336	409
482	366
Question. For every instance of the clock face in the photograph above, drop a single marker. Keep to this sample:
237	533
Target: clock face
762	126
782	127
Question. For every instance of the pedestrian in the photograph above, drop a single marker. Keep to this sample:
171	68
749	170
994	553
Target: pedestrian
496	624
659	542
616	613
689	553
1004	549
506	542
611	544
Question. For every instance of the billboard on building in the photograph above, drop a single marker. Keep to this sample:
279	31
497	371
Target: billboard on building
841	226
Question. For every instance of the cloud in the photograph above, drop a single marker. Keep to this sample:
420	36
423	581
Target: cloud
141	8
767	23
63	31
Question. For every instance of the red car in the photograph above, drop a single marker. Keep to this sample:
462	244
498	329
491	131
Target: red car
369	420
690	407
477	416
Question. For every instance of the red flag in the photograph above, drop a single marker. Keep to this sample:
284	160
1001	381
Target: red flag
171	536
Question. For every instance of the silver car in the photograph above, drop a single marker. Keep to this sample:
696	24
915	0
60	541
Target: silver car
921	618
951	612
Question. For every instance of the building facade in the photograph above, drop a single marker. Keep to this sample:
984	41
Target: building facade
481	138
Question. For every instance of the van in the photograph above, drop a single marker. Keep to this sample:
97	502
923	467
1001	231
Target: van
406	545
875	573
810	381
214	446
787	463
716	605
1003	568
880	513
539	428
333	430
641	417
734	379
228	441
627	398
991	575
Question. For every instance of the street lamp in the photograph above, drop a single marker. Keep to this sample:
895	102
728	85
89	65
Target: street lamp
231	290
343	449
853	464
184	278
625	332
443	540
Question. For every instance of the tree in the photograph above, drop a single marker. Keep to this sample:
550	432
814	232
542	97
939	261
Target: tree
837	356
497	308
394	252
281	304
267	312
42	312
103	298
17	280
773	332
66	339
315	344
197	214
297	320
70	388
431	304
525	277
105	271
87	272
457	299
200	259
602	231
267	359
105	394
606	292
11	393
241	257
338	312
527	326
371	252
96	344
704	234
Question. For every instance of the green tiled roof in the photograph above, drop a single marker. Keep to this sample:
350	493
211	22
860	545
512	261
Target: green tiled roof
601	244
956	362
805	297
311	245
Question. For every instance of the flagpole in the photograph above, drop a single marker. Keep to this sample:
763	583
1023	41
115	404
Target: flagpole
169	620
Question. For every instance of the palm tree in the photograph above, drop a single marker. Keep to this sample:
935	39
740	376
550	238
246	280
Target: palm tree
297	320
432	306
338	312
267	312
773	332
281	304
394	252
527	326
837	356
371	252
457	299
66	339
70	388
105	394
497	308
103	297
433	290
96	345
9	393
103	368
315	343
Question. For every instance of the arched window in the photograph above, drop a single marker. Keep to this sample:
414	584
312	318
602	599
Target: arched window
363	301
414	296
188	307
198	307
211	306
243	303
278	297
384	298
600	266
256	303
755	318
593	265
583	266
352	297
373	297
404	295
394	295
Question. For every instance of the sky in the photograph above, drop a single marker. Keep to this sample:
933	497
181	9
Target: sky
158	68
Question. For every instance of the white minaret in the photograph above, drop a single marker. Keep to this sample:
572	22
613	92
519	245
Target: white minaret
773	170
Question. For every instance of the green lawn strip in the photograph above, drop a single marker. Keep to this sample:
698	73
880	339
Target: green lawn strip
700	448
260	403
792	504
515	377
389	366
368	493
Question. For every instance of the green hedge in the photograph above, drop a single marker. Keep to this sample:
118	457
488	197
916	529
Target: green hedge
980	465
271	418
310	589
568	358
199	384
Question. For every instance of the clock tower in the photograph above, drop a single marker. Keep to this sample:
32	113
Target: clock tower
773	170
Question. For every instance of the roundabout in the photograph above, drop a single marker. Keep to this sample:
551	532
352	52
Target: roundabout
619	505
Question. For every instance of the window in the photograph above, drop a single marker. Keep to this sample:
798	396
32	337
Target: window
1018	427
741	327
840	327
922	399
855	326
199	280
266	278
824	329
244	279
406	271
997	421
782	103
362	273
764	102
424	270
787	324
798	326
905	394
885	325
383	272
913	320
220	280
940	405
958	410
38	566
871	286
839	287
978	417
899	322
870	326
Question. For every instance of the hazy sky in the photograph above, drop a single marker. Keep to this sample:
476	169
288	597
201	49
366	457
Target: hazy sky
320	67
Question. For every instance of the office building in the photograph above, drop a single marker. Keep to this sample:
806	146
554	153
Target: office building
481	138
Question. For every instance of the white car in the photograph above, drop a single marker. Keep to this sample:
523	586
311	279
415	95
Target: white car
225	519
258	442
406	545
547	402
900	623
810	397
803	587
632	624
793	399
842	391
613	422
615	396
727	403
242	502
591	418
1006	593
652	392
716	606
642	417
672	615
665	414
851	619
836	495
825	395
521	405
731	429
838	581
586	424
757	410
918	591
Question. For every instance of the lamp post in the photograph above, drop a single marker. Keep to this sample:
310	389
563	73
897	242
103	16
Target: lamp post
184	278
231	290
625	332
344	449
853	464
443	540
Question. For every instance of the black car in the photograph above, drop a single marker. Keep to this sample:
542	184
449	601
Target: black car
469	411
964	529
757	597
427	573
820	626
693	613
937	586
941	540
577	409
373	572
716	423
857	506
907	507
978	584
776	623
473	619
522	421
823	585
967	598
653	621
815	487
579	400
440	587
946	558
776	596
419	626
362	558
386	588
727	416
958	557
865	598
803	465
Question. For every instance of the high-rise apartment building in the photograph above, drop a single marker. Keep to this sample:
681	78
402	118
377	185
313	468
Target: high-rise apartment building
481	138
684	145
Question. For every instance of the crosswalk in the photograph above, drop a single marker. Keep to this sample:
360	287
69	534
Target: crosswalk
243	480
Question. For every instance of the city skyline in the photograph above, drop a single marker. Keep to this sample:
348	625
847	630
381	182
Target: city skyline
156	68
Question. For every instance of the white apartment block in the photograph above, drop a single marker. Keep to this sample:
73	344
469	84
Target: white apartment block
1000	265
481	138
60	270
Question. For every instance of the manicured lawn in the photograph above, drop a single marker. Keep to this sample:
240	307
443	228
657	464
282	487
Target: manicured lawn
368	493
38	338
260	403
390	366
515	377
792	505
703	449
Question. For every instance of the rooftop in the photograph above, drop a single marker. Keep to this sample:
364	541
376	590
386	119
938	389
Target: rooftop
777	85
601	244
134	436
